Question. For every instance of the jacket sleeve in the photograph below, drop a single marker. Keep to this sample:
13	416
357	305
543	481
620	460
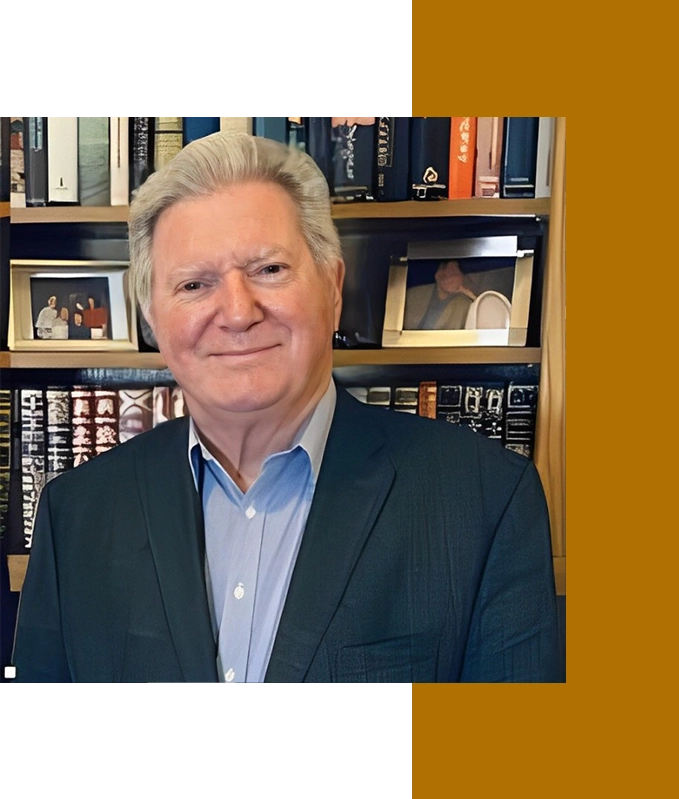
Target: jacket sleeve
39	654
514	635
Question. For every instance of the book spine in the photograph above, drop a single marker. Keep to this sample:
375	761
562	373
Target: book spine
94	176
543	167
488	156
429	158
353	158
106	420
296	133
271	128
4	159
236	124
198	127
392	158
59	450
33	425
17	163
178	405
62	159
83	432
168	140
426	400
379	395
119	160
141	151
318	136
35	160
162	404
406	399
462	155
5	454
135	412
521	414
14	536
519	157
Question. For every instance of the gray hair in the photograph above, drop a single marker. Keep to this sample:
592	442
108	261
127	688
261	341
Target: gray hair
214	162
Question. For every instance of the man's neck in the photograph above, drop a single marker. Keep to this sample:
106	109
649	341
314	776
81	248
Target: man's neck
241	442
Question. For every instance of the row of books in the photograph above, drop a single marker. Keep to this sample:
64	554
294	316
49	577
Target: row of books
102	161
44	432
504	410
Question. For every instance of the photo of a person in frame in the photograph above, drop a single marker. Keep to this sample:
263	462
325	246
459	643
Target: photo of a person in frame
60	324
46	317
441	305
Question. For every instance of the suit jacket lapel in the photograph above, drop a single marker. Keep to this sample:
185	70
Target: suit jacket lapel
355	478
175	530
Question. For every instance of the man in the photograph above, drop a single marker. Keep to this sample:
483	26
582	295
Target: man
46	317
76	328
60	324
442	305
284	532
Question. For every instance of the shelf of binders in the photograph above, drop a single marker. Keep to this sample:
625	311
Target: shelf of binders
356	357
487	206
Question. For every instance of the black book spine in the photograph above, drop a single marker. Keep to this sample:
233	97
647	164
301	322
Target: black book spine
392	151
429	158
4	281
5	454
353	156
141	148
14	535
4	159
319	140
519	157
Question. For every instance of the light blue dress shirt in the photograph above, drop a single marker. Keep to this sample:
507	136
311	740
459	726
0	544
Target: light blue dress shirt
252	540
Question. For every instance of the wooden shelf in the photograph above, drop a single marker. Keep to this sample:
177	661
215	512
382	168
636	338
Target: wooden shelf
369	210
4	209
383	357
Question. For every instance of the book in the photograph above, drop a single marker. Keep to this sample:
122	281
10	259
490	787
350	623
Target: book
318	144
519	157
33	426
462	157
236	124
521	415
429	157
62	160
59	452
4	159
379	395
17	163
426	399
199	127
406	399
119	160
83	433
106	422
94	176
271	128
5	454
168	140
392	158
141	151
135	412
488	156
543	167
296	133
353	158
35	160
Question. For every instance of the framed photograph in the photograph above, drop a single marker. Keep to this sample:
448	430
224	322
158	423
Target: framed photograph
71	306
463	293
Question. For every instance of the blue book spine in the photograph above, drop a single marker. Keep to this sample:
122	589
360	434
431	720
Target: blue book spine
319	144
353	157
199	127
429	158
275	128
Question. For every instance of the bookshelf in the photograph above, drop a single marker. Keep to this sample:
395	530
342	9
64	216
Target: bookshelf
548	352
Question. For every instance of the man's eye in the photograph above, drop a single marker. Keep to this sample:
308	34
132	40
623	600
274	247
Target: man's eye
271	269
194	285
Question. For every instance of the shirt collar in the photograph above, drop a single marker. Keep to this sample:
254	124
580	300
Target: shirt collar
312	435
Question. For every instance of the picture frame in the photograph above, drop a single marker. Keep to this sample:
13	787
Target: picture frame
71	305
462	293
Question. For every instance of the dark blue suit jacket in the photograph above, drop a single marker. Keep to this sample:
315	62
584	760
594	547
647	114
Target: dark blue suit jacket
426	558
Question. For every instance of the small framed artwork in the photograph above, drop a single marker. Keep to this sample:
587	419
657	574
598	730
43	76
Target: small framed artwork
462	293
71	306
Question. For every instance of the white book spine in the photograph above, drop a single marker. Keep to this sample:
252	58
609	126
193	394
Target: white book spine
62	159
236	124
120	160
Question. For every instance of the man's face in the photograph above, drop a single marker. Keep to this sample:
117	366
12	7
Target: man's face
448	277
240	311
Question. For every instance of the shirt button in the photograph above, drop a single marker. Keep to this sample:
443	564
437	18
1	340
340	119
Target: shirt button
250	512
239	591
230	675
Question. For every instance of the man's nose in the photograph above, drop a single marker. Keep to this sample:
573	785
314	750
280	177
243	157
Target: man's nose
238	306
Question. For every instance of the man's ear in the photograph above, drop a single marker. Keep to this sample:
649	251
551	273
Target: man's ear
338	283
